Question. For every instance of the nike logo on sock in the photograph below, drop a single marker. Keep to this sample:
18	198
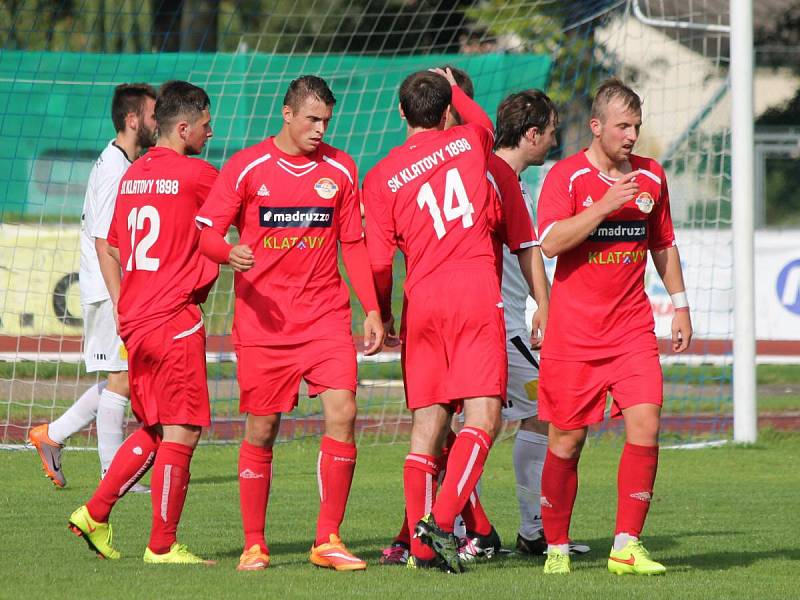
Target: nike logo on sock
643	496
248	474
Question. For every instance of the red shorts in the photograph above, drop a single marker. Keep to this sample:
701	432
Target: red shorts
572	394
269	376
167	372
455	341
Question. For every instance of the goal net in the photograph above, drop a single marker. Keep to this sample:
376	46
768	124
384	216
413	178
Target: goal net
58	69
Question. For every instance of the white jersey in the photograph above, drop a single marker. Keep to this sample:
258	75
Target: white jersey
514	288
98	209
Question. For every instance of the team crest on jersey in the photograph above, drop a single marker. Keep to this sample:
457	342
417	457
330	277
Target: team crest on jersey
263	191
326	188
645	202
588	202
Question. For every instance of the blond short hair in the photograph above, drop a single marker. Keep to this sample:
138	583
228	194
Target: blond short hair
612	89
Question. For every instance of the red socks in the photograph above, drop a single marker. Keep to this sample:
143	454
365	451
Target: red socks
419	483
335	468
475	519
559	488
464	469
255	476
448	445
131	461
168	486
635	479
404	535
440	462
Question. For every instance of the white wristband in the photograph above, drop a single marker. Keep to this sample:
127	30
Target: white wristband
680	300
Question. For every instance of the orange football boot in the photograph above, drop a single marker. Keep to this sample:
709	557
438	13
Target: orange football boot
334	555
253	559
49	453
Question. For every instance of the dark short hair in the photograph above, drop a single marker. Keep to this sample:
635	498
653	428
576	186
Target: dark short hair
608	91
424	96
465	83
462	79
518	113
179	99
129	98
305	87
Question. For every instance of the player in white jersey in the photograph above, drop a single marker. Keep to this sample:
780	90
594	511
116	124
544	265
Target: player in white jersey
132	112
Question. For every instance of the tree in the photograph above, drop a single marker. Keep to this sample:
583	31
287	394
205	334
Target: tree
563	31
381	27
199	25
357	26
76	26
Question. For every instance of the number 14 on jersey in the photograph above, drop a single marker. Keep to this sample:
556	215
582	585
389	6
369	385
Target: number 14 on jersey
456	203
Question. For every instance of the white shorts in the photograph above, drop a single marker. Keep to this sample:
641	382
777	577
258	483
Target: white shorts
523	379
103	349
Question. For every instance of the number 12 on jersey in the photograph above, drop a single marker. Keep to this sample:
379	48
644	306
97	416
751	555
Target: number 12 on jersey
456	203
136	222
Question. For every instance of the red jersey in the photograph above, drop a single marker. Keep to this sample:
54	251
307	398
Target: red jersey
512	225
430	198
154	228
598	306
291	211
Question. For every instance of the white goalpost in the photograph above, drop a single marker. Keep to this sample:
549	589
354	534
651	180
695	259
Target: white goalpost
745	418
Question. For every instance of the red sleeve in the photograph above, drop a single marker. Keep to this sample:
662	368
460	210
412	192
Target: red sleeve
555	202
470	111
662	234
383	287
113	239
530	209
475	119
223	201
516	222
380	234
214	246
349	217
494	213
356	261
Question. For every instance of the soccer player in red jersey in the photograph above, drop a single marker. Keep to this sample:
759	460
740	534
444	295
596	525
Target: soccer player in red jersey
294	200
154	238
600	211
431	198
526	130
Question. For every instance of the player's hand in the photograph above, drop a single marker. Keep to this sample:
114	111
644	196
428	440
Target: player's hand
681	331
241	258
446	73
391	340
622	192
538	325
373	333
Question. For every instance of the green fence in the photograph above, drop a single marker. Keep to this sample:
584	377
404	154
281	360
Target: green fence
55	109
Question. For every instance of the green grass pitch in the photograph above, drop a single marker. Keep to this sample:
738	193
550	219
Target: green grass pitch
725	521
